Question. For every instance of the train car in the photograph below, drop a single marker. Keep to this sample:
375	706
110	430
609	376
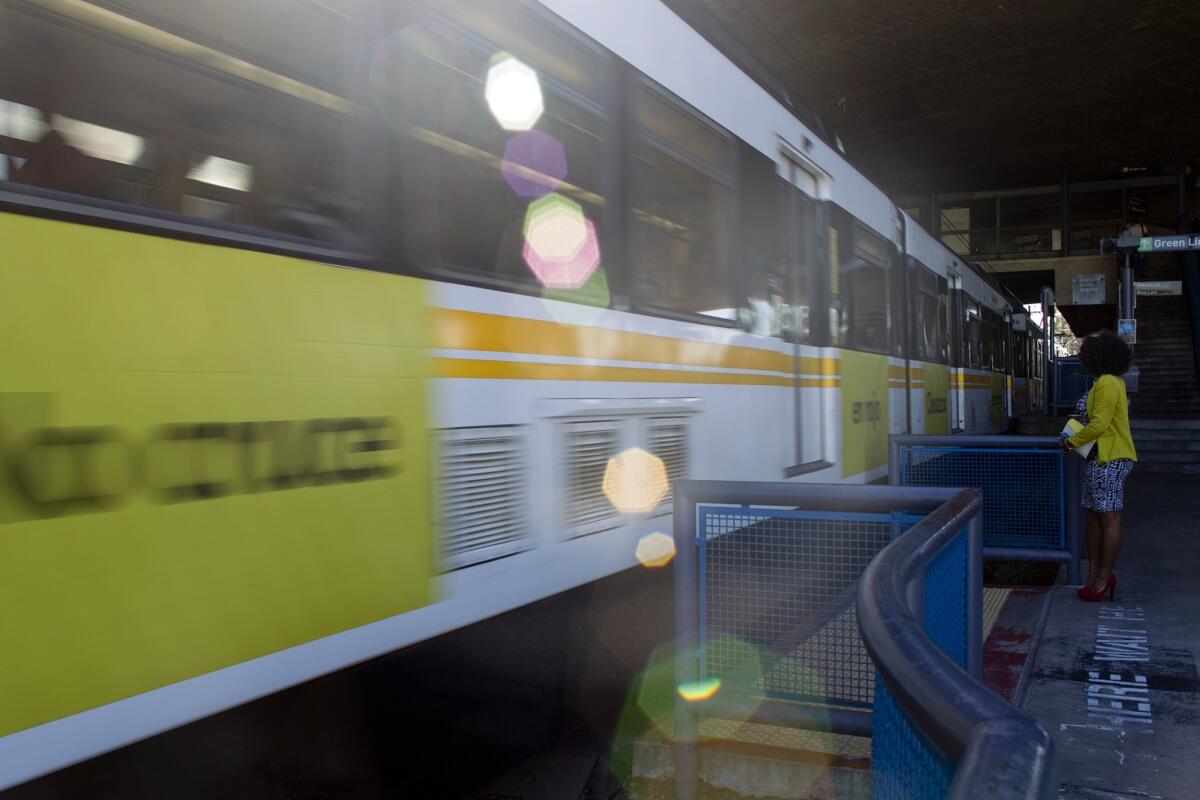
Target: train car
980	378
1026	348
334	327
931	269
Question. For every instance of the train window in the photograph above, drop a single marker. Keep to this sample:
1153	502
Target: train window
971	334
763	242
928	313
985	346
866	287
986	340
943	313
682	208
859	287
140	116
499	156
992	341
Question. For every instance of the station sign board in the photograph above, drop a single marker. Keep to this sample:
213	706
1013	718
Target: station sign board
1158	287
1169	244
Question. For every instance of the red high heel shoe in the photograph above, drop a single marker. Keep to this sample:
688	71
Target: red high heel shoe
1110	589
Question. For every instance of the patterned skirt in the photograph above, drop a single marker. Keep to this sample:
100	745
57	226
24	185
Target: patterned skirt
1104	485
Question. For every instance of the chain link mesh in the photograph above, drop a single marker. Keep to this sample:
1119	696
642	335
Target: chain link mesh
946	599
904	764
778	600
1022	489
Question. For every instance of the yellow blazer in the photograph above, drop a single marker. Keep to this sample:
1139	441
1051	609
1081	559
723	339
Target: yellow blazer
1108	421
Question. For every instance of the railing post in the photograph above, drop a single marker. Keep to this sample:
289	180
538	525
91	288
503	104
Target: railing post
975	596
1073	475
893	461
687	624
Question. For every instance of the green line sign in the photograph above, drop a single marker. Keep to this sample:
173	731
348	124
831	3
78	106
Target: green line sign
1168	244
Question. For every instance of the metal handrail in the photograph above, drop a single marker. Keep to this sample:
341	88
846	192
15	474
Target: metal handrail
1001	753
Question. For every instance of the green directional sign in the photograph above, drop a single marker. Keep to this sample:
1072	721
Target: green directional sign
1169	244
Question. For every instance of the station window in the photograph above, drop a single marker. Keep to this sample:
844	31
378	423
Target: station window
502	159
1030	223
682	204
184	127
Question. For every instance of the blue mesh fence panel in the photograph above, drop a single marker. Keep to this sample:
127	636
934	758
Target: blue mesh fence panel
1022	489
946	599
904	765
777	600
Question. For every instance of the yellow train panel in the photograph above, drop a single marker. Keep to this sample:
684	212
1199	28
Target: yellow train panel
208	455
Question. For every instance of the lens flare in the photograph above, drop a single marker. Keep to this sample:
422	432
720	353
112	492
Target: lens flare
582	306
535	163
635	481
695	691
513	94
555	227
561	245
655	550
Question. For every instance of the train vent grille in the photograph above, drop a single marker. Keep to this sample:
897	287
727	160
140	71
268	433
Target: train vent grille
482	482
588	446
667	438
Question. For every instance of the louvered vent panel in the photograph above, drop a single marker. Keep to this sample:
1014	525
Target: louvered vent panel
667	438
587	448
483	480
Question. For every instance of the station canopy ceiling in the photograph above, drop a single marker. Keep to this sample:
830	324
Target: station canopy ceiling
953	95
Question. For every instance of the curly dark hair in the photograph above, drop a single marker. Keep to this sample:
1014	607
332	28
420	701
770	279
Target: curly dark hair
1104	353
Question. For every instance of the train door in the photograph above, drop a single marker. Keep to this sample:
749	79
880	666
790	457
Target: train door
957	349
801	247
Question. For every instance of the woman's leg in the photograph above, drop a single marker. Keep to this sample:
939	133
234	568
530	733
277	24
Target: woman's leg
1110	545
1093	545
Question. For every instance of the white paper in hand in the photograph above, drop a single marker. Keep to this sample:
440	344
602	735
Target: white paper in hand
1073	427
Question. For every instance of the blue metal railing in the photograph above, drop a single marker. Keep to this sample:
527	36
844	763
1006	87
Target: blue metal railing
769	600
1030	489
938	732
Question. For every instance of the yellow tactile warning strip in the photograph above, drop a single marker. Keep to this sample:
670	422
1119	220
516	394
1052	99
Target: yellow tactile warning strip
843	748
993	601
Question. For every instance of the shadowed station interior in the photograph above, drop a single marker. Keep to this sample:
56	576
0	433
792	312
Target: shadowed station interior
636	400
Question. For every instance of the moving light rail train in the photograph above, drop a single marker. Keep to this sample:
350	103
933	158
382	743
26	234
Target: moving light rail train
328	325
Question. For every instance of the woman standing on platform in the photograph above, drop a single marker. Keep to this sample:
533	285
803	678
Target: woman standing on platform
1106	422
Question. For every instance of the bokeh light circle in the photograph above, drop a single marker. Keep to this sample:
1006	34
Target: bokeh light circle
513	94
535	164
582	306
555	227
655	550
635	481
561	245
696	691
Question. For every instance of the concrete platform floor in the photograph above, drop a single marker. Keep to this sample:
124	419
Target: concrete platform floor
1116	683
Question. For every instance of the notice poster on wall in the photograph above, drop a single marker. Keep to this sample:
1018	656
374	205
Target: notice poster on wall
1127	330
1087	290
